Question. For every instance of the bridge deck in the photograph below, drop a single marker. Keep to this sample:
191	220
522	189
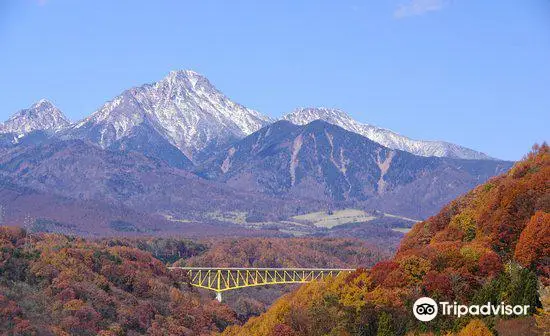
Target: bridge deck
263	269
220	279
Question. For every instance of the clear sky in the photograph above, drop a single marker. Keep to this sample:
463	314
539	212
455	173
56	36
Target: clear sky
476	73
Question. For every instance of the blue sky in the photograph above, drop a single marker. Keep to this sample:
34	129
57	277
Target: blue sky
472	72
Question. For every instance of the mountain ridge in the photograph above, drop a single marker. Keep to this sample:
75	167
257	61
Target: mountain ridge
182	126
326	162
384	136
187	112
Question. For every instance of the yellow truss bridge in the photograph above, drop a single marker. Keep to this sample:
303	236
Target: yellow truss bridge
224	279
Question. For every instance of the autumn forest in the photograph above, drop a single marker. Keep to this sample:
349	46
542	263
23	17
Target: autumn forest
490	245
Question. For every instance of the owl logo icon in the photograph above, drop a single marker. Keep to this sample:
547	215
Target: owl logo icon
425	309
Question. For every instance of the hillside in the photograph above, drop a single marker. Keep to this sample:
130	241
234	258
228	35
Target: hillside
57	285
266	180
489	245
52	284
66	174
288	252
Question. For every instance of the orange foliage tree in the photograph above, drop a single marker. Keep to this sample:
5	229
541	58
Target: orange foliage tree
534	243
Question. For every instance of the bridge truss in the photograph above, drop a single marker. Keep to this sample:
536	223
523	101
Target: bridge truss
223	279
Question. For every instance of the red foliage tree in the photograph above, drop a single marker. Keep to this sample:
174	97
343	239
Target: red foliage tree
282	330
438	285
490	264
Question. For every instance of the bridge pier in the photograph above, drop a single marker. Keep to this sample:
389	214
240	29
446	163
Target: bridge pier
219	296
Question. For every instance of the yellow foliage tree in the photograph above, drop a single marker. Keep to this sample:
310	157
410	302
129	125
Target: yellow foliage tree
476	327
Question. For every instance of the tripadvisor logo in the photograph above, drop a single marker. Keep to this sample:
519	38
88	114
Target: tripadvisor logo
425	309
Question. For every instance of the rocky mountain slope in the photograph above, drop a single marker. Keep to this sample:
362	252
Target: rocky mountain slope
184	109
325	162
390	139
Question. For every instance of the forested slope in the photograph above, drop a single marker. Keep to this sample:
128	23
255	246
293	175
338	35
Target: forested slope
58	285
288	252
51	284
492	244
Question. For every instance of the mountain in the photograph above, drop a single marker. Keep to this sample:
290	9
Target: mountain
489	245
75	170
41	116
184	110
48	212
382	136
328	163
140	148
183	119
146	140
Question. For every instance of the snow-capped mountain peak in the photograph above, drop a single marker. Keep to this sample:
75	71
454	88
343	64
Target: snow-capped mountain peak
186	76
382	136
41	102
184	108
42	115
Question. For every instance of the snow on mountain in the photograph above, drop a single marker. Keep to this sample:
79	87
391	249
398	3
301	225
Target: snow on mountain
42	116
184	108
185	112
303	116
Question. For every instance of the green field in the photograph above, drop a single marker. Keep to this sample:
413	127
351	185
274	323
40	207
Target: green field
296	224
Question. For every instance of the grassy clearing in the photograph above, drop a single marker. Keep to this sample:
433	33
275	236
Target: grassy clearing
236	217
339	217
174	219
402	229
403	218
